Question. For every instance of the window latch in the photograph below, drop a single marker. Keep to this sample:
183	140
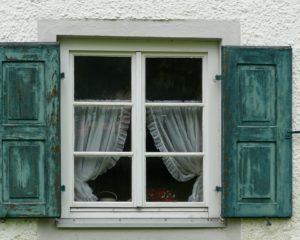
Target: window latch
218	189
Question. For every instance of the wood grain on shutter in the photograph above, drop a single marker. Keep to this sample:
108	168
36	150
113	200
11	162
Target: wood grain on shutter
256	101
29	130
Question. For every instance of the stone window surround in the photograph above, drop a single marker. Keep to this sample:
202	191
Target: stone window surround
227	32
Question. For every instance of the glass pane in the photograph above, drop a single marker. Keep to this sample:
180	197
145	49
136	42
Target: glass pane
174	129
105	179
174	179
102	78
102	129
174	79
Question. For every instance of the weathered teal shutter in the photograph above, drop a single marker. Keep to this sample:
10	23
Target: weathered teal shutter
256	149
29	130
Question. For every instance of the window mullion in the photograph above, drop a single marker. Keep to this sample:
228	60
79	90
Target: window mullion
142	111
137	131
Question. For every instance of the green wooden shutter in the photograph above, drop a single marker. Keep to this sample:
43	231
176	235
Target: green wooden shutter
29	130
256	149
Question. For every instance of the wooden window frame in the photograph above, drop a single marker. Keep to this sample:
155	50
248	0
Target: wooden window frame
138	49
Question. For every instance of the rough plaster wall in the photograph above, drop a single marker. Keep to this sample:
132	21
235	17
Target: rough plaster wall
263	22
18	230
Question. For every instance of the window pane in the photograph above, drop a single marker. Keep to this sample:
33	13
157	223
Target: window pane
174	79
174	179
102	129
102	78
174	129
105	179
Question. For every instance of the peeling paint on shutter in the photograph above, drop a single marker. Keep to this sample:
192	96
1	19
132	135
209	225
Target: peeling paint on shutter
257	113
29	130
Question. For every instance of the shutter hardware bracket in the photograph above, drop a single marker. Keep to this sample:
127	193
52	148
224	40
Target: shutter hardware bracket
218	189
218	77
62	75
62	188
268	222
290	132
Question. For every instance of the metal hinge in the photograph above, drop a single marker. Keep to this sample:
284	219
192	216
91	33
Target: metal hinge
62	75
218	189
62	188
218	77
3	213
268	222
290	132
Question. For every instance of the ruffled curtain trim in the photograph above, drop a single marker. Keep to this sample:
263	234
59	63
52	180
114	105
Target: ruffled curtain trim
159	144
169	160
83	192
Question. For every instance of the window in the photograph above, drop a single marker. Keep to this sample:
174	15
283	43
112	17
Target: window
140	129
135	123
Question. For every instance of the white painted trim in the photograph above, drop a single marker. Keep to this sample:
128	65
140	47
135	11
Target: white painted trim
227	32
141	223
138	133
67	169
102	154
174	154
90	103
174	104
136	208
140	210
139	213
209	52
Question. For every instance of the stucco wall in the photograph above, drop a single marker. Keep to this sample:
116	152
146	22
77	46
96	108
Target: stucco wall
263	22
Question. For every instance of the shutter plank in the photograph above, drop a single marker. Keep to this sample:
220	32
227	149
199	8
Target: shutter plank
256	155
29	131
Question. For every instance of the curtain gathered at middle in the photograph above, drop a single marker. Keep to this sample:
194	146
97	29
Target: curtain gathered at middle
97	129
173	129
179	129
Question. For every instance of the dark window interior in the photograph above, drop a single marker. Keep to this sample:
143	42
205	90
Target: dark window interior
102	78
174	79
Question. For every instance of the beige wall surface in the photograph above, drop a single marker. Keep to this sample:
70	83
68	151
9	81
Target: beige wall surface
262	22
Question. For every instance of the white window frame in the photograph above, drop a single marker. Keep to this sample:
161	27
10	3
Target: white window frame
138	49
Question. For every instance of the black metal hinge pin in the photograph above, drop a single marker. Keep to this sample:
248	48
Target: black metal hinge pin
290	132
218	77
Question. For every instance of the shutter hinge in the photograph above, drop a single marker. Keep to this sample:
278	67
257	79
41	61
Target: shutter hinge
62	75
268	222
218	189
3	213
218	77
290	132
62	188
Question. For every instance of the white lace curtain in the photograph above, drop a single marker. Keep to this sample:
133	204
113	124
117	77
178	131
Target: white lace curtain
179	129
97	129
175	129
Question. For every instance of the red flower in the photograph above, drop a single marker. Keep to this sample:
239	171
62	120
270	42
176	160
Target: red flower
160	195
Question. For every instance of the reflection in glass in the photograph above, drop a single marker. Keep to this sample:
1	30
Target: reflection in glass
174	129
174	79
102	78
174	179
106	179
99	128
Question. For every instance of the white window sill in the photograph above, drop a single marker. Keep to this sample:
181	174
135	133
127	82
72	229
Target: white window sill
140	223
